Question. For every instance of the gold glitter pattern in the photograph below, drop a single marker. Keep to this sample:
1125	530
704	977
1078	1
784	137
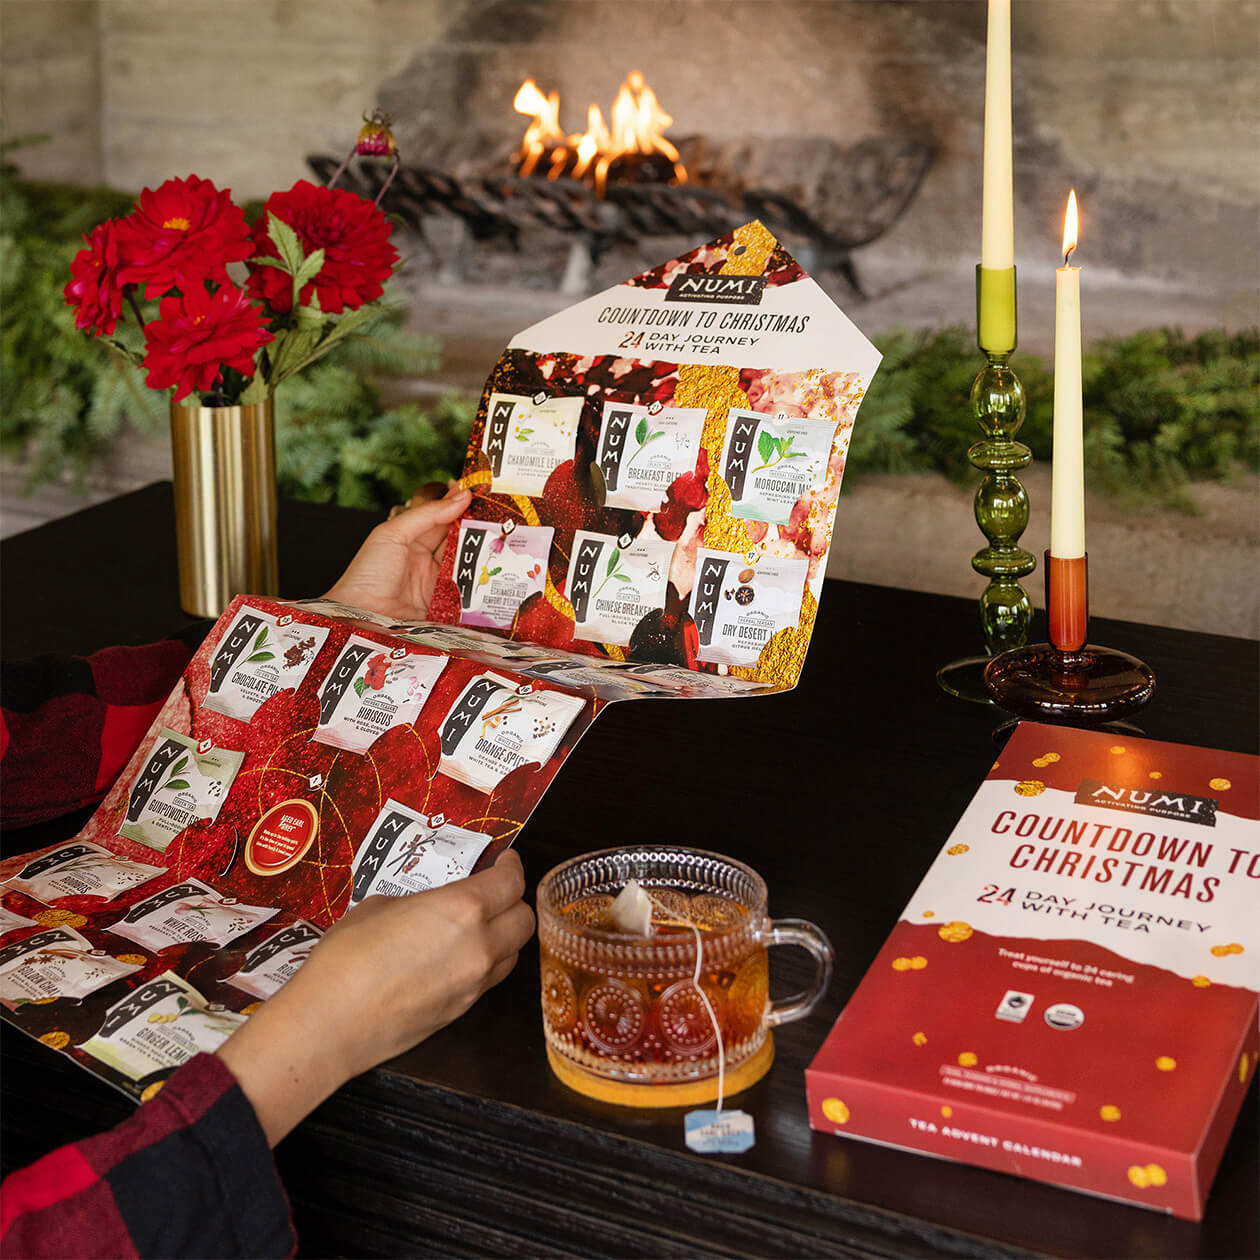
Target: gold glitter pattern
782	659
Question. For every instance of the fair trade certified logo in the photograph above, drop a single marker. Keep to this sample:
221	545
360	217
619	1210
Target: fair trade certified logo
1064	1016
719	290
1178	805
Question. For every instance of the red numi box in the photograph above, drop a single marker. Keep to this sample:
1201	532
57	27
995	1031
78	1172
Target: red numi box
1071	994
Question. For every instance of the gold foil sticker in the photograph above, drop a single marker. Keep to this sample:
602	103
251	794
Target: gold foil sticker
750	250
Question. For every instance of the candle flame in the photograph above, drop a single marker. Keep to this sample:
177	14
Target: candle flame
1069	227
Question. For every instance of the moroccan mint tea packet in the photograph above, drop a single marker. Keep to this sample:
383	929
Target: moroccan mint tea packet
770	462
80	869
189	911
643	450
497	569
527	439
739	607
58	963
272	964
614	583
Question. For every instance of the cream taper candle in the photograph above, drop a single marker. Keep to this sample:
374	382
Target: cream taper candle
1067	492
997	231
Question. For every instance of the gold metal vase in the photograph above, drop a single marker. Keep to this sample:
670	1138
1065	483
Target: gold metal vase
225	504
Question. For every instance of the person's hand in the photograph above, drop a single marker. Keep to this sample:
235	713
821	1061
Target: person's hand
395	570
392	971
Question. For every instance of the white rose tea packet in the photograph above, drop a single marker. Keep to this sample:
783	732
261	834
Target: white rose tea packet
643	450
370	690
182	782
259	656
769	463
527	439
10	921
497	570
58	963
159	1026
187	912
613	584
738	607
81	869
496	726
405	852
272	964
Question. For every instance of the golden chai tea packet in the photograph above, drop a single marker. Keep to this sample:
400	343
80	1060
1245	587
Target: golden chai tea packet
189	911
58	963
272	964
80	869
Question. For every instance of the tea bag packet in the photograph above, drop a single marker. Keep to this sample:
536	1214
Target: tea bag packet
181	782
58	963
188	912
405	852
334	608
738	608
259	656
769	463
496	571
673	678
370	690
527	439
643	450
584	672
81	870
276	961
612	586
159	1026
496	726
10	921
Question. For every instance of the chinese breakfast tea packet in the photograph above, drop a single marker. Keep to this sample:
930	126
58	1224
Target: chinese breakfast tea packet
370	690
405	852
259	656
182	782
159	1026
644	450
770	462
527	439
10	921
496	726
80	869
614	583
739	607
276	961
58	963
189	911
497	568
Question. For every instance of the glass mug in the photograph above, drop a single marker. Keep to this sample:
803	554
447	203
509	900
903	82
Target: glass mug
621	1015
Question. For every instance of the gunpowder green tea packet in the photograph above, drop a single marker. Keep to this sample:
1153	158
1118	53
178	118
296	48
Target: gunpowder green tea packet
58	963
498	568
272	964
739	607
80	869
614	583
643	450
769	462
186	912
527	439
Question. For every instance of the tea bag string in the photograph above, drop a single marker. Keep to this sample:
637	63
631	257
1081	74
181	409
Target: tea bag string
672	917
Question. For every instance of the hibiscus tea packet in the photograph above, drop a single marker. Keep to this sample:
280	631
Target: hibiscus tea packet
80	869
527	439
497	568
644	449
187	912
370	690
614	583
276	961
10	921
405	852
739	607
771	462
182	782
58	963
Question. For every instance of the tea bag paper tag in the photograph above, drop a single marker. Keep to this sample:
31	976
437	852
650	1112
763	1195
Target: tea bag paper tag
718	1132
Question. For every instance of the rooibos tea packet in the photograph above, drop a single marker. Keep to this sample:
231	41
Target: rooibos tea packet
189	911
81	870
58	963
739	607
276	961
497	569
614	583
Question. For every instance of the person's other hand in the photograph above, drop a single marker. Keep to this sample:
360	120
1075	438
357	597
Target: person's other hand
395	570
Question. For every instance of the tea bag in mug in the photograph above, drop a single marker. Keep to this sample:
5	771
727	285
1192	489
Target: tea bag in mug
613	587
58	963
276	961
769	464
643	450
497	571
80	869
738	608
257	658
527	439
187	912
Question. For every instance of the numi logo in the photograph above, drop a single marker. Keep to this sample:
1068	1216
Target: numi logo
723	290
1179	805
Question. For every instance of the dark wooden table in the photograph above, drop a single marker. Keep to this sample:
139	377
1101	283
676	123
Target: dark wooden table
467	1145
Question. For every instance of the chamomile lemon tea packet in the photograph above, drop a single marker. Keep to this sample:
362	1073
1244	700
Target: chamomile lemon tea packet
182	782
275	962
159	1026
497	725
407	852
186	912
769	462
643	450
527	438
497	568
370	690
58	963
81	869
614	583
259	656
10	921
739	607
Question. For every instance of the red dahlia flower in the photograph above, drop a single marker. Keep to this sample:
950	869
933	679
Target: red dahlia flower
95	287
200	334
353	234
181	234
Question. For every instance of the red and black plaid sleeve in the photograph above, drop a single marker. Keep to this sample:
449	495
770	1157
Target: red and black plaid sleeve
190	1174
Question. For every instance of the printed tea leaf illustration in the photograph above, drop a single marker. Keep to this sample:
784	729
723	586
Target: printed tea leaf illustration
360	686
259	642
179	766
614	564
175	785
523	435
780	448
765	447
641	430
644	438
614	556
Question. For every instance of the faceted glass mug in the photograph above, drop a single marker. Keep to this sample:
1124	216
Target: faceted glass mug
621	1015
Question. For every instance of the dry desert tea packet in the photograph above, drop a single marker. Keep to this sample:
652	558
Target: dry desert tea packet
370	690
159	1026
259	656
182	782
738	607
498	568
405	852
10	921
496	726
527	439
58	963
276	961
768	463
614	583
186	912
80	869
643	450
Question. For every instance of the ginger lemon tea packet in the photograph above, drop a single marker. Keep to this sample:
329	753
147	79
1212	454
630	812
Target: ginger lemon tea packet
58	963
498	567
187	912
80	869
272	964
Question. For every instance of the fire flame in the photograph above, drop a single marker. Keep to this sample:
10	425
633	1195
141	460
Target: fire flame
1069	227
546	124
